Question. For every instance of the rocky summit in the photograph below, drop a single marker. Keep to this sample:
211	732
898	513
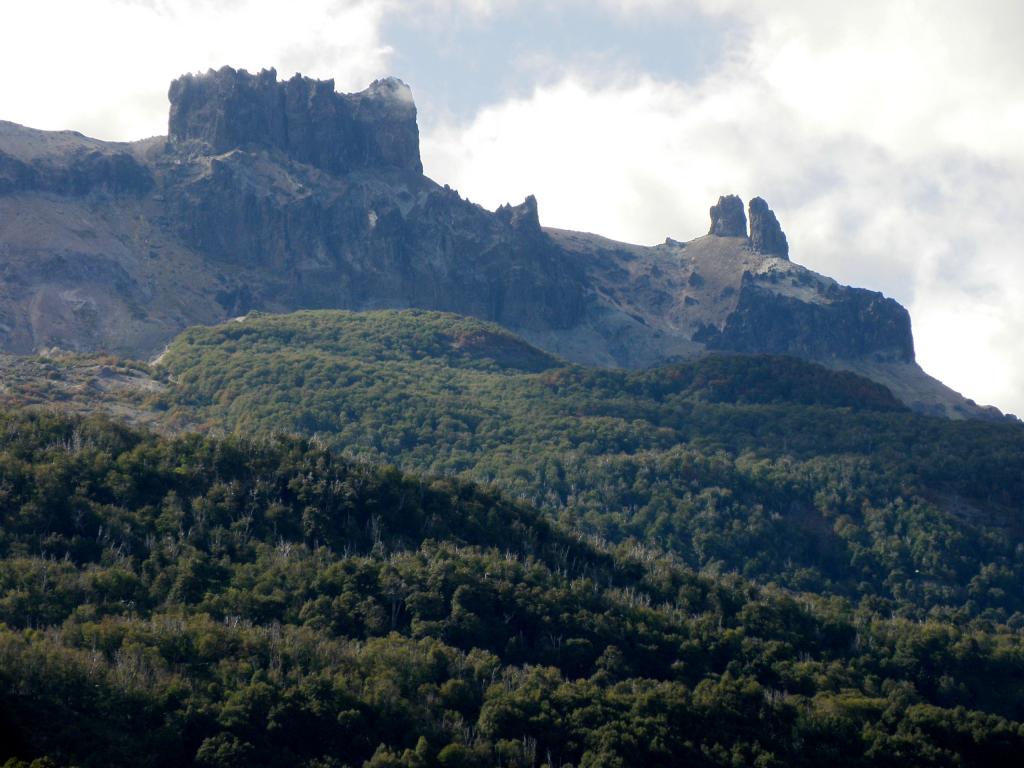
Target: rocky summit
727	219
276	196
304	119
766	235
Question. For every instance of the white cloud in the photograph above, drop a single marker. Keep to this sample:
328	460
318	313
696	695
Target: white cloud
477	8
598	159
912	77
103	67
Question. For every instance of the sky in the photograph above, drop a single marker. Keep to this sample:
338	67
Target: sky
887	135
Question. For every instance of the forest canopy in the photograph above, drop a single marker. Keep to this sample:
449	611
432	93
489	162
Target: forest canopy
410	539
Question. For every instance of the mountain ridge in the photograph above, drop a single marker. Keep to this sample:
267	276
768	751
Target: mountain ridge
277	196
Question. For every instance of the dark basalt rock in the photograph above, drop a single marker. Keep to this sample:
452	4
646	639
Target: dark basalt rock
727	218
523	217
359	245
856	323
303	118
78	173
15	176
766	235
114	172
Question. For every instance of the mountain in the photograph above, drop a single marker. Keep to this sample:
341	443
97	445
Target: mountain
276	196
615	506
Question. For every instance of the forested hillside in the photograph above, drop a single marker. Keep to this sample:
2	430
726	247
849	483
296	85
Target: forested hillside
771	467
236	602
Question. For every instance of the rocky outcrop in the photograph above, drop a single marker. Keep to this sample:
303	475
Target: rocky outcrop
523	217
304	118
15	176
766	235
727	218
355	243
78	173
852	324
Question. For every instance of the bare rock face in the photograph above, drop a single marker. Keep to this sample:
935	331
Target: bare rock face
304	118
72	167
523	217
727	218
766	235
345	218
851	324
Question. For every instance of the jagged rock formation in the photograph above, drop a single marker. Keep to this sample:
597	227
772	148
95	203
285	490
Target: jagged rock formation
523	218
853	324
278	196
727	218
766	235
304	118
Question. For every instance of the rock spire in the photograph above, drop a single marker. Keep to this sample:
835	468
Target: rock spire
766	236
727	218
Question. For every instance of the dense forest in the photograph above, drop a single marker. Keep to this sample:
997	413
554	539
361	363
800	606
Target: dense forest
778	469
227	602
411	539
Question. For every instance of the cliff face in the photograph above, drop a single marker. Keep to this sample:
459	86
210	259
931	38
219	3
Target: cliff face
854	324
278	196
303	118
766	235
84	171
326	190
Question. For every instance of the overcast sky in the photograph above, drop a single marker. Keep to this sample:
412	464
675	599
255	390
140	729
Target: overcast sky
888	136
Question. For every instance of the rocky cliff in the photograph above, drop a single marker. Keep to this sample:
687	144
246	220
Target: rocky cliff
83	170
766	235
304	118
277	196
